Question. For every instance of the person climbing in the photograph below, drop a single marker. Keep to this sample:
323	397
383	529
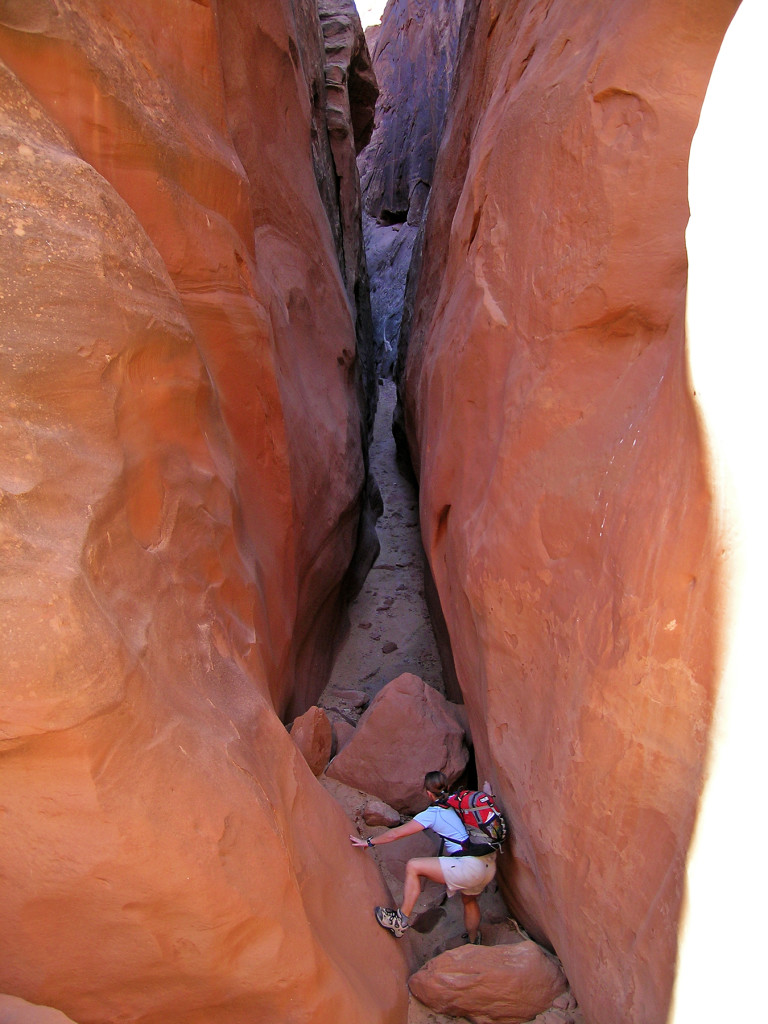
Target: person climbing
458	871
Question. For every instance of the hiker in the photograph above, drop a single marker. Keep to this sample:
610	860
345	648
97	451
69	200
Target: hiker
467	875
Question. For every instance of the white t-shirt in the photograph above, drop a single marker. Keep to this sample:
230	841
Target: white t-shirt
446	822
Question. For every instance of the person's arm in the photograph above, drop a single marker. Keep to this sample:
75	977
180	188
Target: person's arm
410	828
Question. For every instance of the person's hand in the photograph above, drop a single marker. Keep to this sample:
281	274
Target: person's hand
357	841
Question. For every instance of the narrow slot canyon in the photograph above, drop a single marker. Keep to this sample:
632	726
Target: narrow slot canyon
377	397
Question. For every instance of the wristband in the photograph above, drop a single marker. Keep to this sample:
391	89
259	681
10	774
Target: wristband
369	841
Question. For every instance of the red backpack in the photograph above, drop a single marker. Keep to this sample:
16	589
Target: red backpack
478	810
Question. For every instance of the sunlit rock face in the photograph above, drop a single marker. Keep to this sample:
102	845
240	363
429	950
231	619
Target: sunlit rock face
414	53
177	344
565	500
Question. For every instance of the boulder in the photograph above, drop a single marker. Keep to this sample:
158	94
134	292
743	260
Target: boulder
490	985
564	1010
376	812
354	699
343	731
408	730
312	734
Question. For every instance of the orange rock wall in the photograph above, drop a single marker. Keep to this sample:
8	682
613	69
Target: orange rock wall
176	345
564	493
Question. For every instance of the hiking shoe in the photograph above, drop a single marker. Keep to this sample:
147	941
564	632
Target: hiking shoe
394	921
478	939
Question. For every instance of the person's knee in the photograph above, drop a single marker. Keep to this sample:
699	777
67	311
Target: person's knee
411	868
421	867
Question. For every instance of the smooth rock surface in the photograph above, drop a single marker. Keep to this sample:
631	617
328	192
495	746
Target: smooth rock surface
565	504
490	985
173	552
408	730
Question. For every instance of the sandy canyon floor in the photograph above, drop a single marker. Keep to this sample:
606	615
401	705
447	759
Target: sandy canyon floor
390	631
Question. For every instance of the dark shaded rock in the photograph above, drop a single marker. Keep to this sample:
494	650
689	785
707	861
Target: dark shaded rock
413	57
413	51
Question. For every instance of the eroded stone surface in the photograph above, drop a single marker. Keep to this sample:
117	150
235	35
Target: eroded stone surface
564	502
172	549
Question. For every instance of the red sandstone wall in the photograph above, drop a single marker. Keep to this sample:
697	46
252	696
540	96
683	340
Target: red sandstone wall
176	345
564	495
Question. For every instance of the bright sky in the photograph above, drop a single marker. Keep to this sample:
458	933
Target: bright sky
370	11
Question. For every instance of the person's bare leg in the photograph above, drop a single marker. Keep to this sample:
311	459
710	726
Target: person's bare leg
471	916
415	870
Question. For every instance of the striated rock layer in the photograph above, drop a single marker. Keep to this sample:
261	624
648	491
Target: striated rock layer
177	344
565	501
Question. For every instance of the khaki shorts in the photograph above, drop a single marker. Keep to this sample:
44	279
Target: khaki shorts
468	875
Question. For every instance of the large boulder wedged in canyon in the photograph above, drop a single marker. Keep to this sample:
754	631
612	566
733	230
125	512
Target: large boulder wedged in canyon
506	984
413	52
172	549
565	504
409	729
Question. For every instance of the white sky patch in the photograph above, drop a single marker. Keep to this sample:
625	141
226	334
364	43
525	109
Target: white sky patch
370	11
